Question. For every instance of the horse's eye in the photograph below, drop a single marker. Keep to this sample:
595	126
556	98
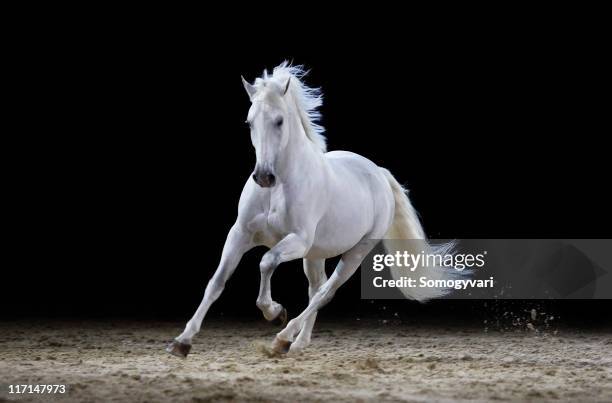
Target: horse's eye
279	122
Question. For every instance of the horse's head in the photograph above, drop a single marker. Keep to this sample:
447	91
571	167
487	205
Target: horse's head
267	120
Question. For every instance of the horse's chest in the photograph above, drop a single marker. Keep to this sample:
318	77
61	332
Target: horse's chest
277	214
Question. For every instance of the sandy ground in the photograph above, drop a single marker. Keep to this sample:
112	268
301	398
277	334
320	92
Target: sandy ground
356	361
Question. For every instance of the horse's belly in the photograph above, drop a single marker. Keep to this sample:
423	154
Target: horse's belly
338	233
326	250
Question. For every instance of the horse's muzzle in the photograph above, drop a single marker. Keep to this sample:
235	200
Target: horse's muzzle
265	179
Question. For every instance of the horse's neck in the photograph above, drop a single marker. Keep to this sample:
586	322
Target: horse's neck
301	156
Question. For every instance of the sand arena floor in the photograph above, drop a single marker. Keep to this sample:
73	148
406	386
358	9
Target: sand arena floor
353	361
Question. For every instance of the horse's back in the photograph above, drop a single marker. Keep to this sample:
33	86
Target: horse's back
348	166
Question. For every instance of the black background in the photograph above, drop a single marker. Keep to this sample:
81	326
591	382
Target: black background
132	152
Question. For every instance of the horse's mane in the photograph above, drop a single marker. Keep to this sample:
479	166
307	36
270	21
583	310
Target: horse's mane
307	99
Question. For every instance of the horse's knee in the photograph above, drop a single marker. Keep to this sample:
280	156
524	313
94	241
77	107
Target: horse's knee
268	263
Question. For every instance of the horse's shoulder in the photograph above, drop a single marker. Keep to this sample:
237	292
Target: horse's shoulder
253	200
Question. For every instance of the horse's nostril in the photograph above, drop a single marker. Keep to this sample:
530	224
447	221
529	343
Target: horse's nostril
264	179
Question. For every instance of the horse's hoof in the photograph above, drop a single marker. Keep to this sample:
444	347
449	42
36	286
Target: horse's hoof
280	346
178	349
281	319
297	348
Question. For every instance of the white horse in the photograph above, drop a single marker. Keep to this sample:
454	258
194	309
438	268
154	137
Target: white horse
305	203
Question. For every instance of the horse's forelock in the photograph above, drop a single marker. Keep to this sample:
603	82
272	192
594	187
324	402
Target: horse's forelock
307	99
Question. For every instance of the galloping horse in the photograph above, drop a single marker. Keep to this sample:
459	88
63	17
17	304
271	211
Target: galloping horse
303	202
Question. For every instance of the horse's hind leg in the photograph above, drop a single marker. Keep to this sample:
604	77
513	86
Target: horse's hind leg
238	242
315	272
289	248
347	266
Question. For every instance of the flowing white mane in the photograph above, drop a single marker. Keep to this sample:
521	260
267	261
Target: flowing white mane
307	99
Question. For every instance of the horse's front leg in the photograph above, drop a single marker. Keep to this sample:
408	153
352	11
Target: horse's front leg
238	242
291	247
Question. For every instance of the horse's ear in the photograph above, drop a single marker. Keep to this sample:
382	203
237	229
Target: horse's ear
250	89
287	86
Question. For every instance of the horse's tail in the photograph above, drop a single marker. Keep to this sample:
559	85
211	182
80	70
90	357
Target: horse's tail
407	226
